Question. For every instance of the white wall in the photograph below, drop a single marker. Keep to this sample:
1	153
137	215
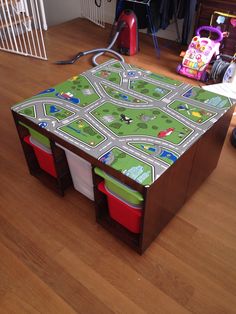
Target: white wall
110	8
59	11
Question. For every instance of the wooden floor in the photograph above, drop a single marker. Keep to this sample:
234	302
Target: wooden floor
55	259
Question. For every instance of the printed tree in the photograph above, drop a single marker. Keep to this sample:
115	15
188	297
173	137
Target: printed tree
115	125
121	155
141	125
121	109
155	127
89	131
113	79
202	95
117	65
156	112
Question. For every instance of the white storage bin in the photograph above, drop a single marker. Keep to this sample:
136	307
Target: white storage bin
81	173
83	188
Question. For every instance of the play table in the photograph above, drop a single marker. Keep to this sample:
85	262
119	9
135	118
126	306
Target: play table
155	134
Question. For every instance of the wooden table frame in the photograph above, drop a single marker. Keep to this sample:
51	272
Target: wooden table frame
162	199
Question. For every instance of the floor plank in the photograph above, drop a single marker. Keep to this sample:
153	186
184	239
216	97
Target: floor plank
25	292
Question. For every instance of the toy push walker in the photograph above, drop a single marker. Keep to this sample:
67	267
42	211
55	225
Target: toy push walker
200	52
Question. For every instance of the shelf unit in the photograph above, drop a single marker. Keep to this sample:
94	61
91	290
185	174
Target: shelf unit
104	219
63	179
162	200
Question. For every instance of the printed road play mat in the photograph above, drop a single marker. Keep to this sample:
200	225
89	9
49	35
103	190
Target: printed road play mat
136	121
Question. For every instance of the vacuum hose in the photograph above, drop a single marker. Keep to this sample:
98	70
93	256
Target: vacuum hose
98	51
108	49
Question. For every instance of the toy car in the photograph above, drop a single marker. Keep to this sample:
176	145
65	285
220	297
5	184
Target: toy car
200	52
68	96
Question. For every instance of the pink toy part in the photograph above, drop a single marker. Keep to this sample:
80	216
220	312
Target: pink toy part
211	29
44	157
233	22
199	54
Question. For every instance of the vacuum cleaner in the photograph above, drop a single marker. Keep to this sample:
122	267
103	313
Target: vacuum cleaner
127	41
126	36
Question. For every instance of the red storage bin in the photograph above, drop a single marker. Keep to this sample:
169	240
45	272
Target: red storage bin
43	155
124	213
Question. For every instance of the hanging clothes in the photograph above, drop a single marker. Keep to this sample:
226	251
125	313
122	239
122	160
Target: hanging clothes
186	11
162	12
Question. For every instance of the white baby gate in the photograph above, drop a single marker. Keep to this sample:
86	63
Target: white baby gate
93	10
21	25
